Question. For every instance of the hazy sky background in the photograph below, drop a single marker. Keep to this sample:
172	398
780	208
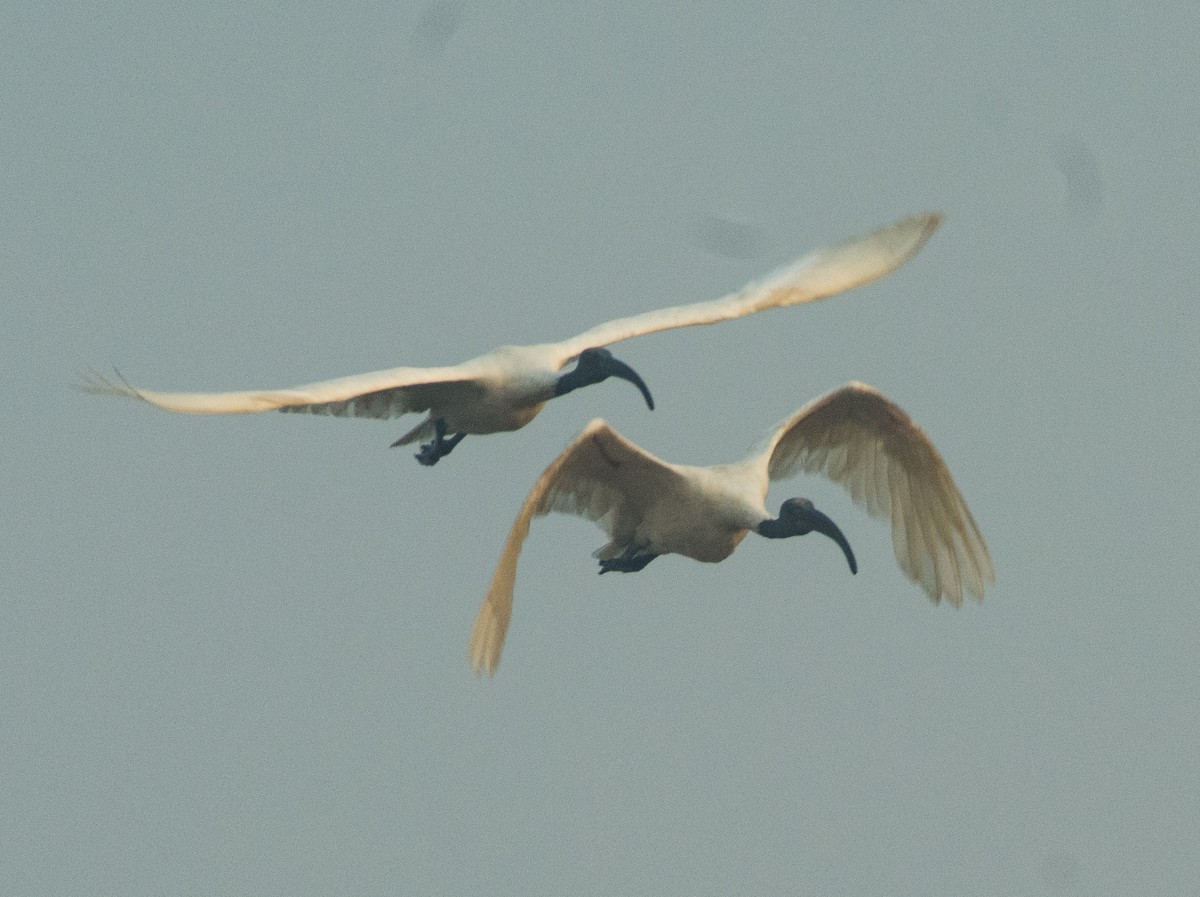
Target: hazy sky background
233	650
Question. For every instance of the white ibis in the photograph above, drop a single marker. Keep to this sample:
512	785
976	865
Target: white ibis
506	388
649	507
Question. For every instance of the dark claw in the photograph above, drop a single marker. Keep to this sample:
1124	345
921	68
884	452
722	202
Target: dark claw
432	452
429	454
627	562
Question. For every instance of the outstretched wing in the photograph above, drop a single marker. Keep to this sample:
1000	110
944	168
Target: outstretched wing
858	437
379	394
823	273
602	476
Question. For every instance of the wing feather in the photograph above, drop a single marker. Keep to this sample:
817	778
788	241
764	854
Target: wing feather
600	476
378	394
818	275
858	437
389	393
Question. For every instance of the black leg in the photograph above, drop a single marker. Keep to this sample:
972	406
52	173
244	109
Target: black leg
432	452
631	560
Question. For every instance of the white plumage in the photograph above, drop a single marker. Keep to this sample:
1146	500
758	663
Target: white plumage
854	435
506	388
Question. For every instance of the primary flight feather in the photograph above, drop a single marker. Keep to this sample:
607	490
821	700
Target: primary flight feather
506	388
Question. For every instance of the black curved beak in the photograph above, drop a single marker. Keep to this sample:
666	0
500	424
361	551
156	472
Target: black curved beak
595	365
625	372
826	527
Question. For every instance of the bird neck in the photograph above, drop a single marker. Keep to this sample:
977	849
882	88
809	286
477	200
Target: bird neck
776	529
579	376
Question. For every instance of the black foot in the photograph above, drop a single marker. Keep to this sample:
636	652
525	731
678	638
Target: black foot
627	562
432	452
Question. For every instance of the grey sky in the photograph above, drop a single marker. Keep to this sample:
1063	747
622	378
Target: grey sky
234	649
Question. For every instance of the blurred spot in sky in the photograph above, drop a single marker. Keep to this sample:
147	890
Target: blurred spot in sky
436	26
1060	869
1085	189
729	239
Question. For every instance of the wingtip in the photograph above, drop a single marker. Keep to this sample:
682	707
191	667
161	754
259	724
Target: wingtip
483	659
95	383
482	665
927	224
902	239
487	640
933	220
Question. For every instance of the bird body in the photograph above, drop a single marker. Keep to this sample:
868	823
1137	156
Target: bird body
506	388
650	507
510	388
704	515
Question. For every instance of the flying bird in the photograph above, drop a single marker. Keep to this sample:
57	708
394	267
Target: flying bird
506	388
649	507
